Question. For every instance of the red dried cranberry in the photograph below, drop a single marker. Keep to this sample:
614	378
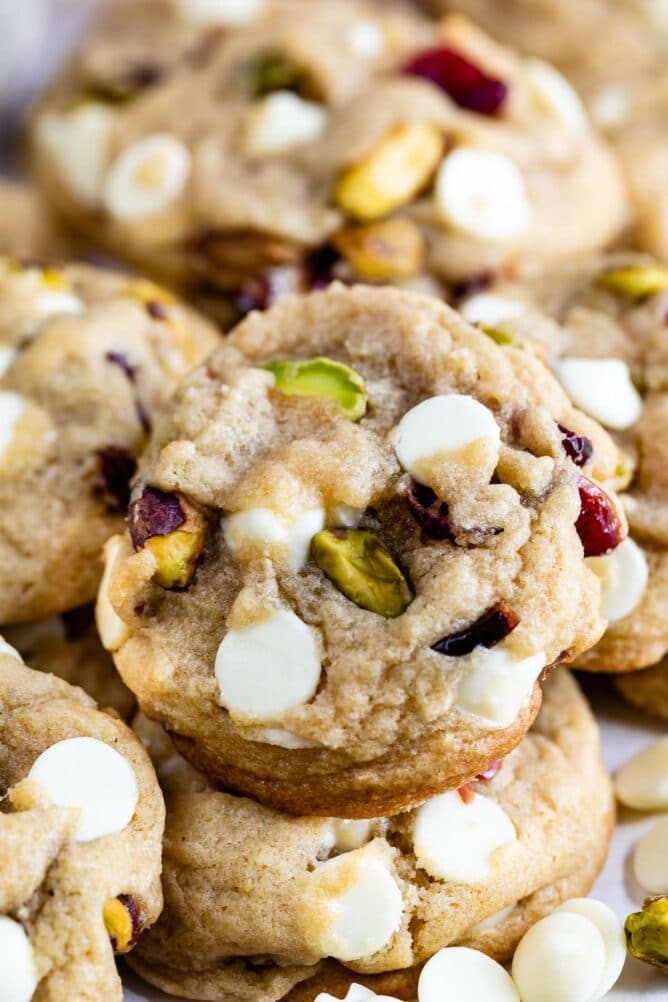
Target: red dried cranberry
493	626
578	447
462	80
115	469
255	294
155	513
429	512
466	793
491	770
319	268
598	524
156	310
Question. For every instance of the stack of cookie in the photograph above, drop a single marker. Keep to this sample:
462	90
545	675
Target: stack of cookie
349	548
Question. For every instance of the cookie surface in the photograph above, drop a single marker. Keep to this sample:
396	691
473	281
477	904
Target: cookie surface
324	140
391	629
26	227
66	891
601	322
88	357
246	914
648	689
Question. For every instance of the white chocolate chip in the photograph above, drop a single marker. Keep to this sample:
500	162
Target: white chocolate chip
269	667
365	38
58	303
602	388
18	974
441	425
9	651
624	574
555	96
562	958
113	631
495	685
347	835
280	122
12	408
360	905
77	144
91	775
488	308
482	194
147	177
284	739
494	920
611	107
7	356
230	13
650	860
612	931
643	782
456	841
356	993
465	975
344	516
260	531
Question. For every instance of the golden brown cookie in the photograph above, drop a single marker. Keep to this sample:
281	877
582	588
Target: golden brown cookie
80	839
648	689
27	228
255	901
87	359
356	542
315	141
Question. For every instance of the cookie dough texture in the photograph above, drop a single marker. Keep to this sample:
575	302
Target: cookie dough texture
230	204
384	729
27	228
238	876
68	646
577	312
53	885
88	359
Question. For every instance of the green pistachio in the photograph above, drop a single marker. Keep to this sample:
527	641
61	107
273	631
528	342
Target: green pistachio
360	567
634	283
500	337
273	71
322	377
647	933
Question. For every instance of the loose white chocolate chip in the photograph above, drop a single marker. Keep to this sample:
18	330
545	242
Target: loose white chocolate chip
9	651
269	667
495	686
465	975
456	840
482	194
602	388
18	975
146	178
113	631
624	574
280	122
612	931
12	408
555	96
366	38
442	425
77	144
348	835
643	782
260	531
360	905
93	776
7	356
562	958
230	13
488	308
650	860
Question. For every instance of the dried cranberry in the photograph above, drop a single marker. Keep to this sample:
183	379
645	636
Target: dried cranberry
493	626
115	469
155	513
598	524
466	793
429	512
255	294
156	310
462	80
491	770
119	359
578	447
319	268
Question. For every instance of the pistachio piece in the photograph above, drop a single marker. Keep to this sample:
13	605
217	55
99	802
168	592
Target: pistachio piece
173	530
635	282
122	921
500	337
392	174
647	933
360	567
322	377
384	251
272	71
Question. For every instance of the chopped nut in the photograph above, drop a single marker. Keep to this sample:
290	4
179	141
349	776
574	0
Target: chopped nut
273	71
322	377
647	933
392	174
634	283
173	530
501	337
360	567
122	922
383	251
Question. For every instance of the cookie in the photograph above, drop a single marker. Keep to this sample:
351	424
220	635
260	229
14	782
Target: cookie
601	322
317	141
88	357
26	226
321	594
648	689
80	839
251	896
68	646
